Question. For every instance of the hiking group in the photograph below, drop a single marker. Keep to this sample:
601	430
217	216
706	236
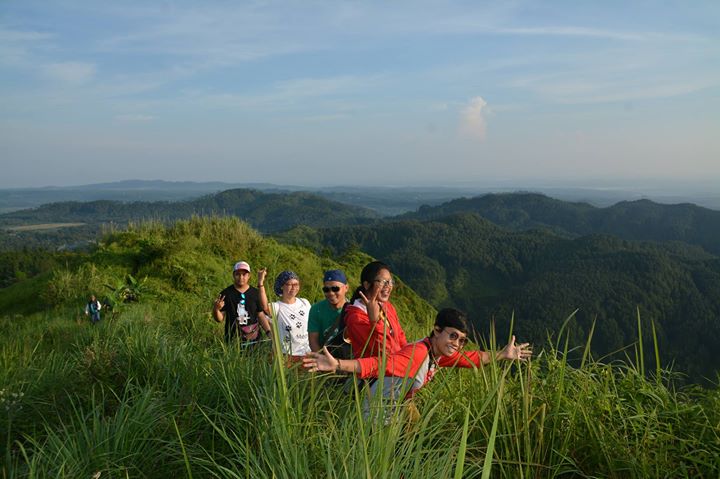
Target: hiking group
362	336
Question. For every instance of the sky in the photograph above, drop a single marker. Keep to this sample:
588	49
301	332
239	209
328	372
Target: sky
359	92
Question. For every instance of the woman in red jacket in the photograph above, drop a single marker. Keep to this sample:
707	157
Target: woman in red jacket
408	369
371	322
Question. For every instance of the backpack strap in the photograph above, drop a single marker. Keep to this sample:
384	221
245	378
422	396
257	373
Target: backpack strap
338	324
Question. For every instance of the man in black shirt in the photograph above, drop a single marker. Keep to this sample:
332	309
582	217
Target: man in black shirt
243	306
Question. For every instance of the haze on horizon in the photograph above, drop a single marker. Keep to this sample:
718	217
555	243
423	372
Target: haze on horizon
407	92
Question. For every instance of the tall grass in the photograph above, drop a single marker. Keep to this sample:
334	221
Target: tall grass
138	397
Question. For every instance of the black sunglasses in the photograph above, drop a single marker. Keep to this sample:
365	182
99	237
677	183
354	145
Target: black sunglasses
456	337
334	289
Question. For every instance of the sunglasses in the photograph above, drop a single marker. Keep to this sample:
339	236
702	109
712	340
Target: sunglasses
385	283
334	289
456	337
242	298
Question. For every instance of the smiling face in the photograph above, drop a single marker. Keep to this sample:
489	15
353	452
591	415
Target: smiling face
447	341
335	293
383	283
290	290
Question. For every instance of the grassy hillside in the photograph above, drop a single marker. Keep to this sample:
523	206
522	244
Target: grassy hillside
153	391
633	220
466	261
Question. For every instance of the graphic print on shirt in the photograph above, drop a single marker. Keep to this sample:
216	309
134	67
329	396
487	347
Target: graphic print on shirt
292	321
242	315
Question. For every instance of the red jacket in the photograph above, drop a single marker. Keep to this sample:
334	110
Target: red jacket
367	339
413	361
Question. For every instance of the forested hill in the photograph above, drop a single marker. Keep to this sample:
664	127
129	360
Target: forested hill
464	260
267	212
634	220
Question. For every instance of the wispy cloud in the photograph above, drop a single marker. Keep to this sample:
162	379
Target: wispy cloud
288	94
134	118
75	73
573	31
10	35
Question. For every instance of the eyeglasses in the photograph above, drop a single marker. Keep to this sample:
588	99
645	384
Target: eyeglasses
456	337
385	283
334	289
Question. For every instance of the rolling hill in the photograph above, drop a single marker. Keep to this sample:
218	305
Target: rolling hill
633	220
466	261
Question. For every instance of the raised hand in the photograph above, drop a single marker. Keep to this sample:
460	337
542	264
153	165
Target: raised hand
515	351
320	361
371	303
220	302
262	273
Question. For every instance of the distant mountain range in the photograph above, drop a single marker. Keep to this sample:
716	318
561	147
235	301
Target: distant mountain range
267	212
386	200
634	220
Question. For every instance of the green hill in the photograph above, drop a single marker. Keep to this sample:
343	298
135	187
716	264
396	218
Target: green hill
267	212
466	261
188	261
153	390
633	220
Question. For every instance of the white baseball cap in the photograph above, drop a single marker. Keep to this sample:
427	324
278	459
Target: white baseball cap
241	265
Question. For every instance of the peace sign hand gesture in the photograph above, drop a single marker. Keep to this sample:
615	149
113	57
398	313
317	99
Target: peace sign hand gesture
220	303
372	305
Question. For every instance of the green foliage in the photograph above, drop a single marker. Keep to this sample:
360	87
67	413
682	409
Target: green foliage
155	391
633	220
465	261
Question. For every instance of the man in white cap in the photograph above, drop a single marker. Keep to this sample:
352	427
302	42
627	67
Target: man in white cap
243	306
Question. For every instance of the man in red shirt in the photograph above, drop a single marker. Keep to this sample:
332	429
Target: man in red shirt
414	365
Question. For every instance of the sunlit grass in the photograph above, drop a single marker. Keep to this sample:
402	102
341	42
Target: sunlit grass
141	397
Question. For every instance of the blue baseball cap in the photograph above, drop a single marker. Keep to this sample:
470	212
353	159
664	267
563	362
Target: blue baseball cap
335	275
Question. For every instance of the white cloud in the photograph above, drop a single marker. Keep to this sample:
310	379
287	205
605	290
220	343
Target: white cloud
472	118
76	73
134	117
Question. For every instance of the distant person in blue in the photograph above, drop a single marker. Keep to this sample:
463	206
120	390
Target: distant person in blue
243	307
92	309
325	313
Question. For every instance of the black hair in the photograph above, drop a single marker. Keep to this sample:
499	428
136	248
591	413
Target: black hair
452	318
368	275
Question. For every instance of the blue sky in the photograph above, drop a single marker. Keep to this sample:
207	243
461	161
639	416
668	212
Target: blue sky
378	93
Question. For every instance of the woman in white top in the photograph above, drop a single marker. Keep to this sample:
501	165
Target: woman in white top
291	316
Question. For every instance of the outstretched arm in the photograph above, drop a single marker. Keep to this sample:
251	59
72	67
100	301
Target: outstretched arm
324	361
515	351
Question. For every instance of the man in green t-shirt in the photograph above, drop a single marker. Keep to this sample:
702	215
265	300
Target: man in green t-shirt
325	313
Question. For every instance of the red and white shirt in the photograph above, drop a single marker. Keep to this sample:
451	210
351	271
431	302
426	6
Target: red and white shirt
415	361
